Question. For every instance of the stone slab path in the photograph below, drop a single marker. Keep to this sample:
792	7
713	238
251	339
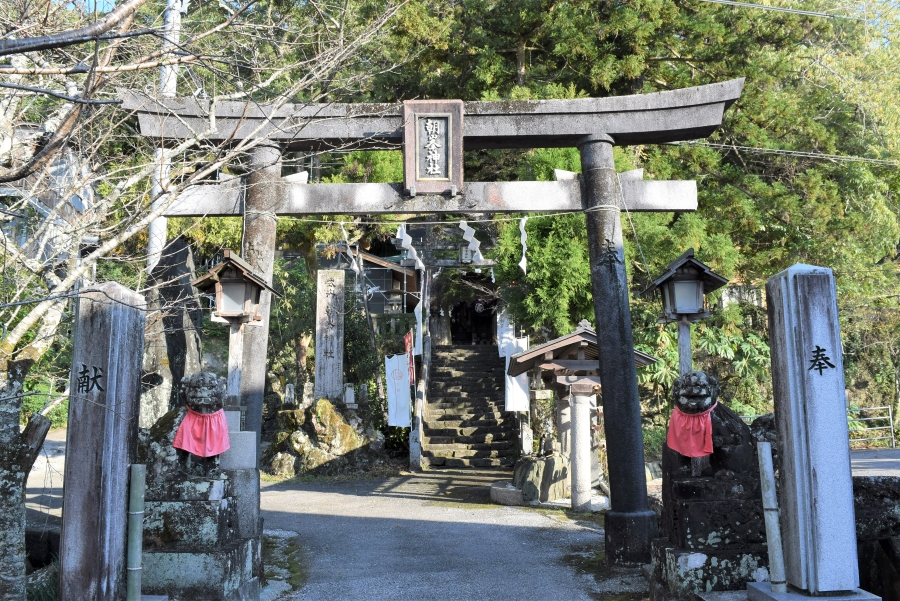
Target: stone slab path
436	536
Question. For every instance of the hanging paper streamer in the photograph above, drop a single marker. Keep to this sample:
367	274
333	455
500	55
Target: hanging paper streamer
493	279
469	236
354	264
524	262
406	244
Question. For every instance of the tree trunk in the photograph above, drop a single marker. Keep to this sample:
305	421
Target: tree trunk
17	453
520	63
12	484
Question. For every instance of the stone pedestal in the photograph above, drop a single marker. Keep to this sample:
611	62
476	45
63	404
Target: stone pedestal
712	524
242	454
202	535
202	538
762	591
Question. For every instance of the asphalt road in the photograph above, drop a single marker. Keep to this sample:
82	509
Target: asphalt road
430	536
436	536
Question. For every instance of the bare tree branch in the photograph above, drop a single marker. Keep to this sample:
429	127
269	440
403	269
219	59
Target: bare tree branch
75	36
56	94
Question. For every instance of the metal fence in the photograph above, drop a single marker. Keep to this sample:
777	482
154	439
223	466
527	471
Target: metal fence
872	427
869	423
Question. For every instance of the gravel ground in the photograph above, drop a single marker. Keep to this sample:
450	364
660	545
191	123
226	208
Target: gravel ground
436	536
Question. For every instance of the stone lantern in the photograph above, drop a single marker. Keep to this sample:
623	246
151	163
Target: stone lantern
683	287
238	289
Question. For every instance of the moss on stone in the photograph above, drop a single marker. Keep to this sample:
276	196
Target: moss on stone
291	419
285	559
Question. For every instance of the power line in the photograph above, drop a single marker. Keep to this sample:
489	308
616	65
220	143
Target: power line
793	153
795	11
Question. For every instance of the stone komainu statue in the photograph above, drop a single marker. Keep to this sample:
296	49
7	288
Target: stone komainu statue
204	429
204	392
711	502
728	448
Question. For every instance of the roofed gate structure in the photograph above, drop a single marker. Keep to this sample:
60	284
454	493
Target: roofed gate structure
433	135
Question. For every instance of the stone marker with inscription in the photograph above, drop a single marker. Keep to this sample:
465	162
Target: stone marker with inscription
100	442
330	335
816	492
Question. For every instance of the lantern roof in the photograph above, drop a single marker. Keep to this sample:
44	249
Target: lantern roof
566	348
234	261
686	264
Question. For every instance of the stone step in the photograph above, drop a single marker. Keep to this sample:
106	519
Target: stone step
489	412
439	462
469	367
482	431
486	360
491	359
461	347
499	445
464	396
461	439
469	378
486	403
458	385
463	423
469	454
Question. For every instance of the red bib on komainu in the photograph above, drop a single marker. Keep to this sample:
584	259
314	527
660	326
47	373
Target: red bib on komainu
690	434
203	434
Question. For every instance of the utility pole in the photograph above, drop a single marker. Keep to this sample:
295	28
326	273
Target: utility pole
168	80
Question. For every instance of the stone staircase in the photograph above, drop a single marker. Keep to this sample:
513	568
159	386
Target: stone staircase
465	425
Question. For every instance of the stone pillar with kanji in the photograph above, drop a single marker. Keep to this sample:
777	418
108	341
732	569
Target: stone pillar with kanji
330	334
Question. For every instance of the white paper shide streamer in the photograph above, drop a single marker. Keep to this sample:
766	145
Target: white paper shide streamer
469	236
524	262
406	244
354	262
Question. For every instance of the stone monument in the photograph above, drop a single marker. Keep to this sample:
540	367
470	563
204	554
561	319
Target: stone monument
713	533
103	411
329	381
816	493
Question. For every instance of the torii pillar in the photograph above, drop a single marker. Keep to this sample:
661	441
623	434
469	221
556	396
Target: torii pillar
263	199
630	525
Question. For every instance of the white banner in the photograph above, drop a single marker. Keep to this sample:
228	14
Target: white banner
506	337
517	398
396	368
417	348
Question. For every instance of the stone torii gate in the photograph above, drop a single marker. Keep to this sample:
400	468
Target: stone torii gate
433	136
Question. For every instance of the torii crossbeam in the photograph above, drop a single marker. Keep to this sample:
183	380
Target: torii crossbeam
594	125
